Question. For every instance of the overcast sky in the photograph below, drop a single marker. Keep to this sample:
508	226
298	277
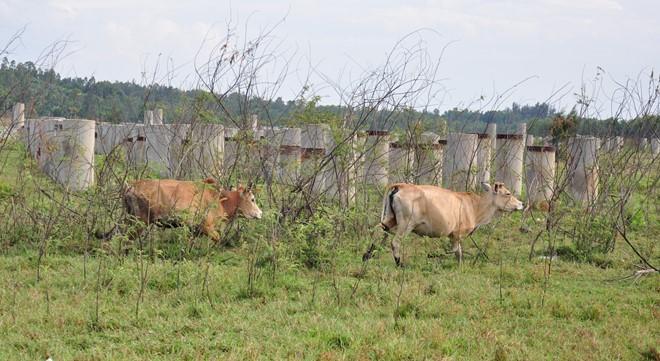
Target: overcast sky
491	45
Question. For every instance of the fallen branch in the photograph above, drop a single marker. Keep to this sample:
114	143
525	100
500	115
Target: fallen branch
637	275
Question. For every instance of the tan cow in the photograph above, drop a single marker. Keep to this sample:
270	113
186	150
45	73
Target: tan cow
173	203
437	212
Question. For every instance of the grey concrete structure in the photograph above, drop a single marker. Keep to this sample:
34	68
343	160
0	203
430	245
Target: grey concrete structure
135	145
148	117
582	168
17	117
509	161
491	130
157	116
428	160
484	158
229	159
71	159
540	175
655	146
529	140
401	159
460	162
376	166
290	154
317	142
181	149
158	139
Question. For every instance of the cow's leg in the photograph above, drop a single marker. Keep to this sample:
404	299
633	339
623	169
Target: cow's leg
404	228
372	247
208	228
457	249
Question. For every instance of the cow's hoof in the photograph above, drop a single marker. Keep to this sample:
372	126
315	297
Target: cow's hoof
369	253
398	262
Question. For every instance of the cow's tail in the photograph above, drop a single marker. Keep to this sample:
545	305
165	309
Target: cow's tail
388	218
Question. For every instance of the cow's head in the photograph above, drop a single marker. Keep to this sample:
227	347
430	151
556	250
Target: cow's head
247	204
502	198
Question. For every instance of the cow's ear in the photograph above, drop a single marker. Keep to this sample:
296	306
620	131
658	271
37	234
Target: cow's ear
498	185
486	187
210	180
240	188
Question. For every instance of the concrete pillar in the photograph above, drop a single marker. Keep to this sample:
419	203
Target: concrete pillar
491	130
317	142
484	158
460	166
346	167
582	168
401	159
428	160
39	137
618	143
377	148
509	161
643	144
254	122
157	116
18	117
289	157
72	158
46	143
311	159
540	175
148	117
529	140
655	146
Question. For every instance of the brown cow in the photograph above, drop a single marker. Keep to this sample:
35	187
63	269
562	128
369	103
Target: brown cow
172	203
437	212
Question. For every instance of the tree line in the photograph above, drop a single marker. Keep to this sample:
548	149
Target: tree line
47	93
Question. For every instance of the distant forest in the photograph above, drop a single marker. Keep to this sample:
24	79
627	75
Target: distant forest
46	93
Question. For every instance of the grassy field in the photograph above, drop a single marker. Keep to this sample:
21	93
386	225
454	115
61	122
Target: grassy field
309	296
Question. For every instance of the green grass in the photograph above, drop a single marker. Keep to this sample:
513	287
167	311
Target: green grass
444	312
294	299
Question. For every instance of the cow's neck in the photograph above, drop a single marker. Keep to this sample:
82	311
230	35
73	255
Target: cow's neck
483	210
231	203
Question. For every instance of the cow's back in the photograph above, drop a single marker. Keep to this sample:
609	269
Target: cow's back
152	199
